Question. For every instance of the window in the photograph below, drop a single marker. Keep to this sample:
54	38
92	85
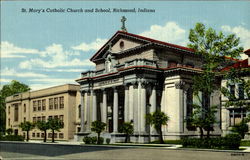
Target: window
9	110
79	111
61	117
38	118
16	113
39	105
55	103
51	103
24	119
237	115
55	135
24	108
33	134
34	119
50	117
232	90
60	135
61	102
42	135
241	91
43	118
44	104
38	134
172	64
34	105
122	45
55	117
8	122
50	135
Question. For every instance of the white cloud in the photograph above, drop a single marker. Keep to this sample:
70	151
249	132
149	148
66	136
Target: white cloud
12	72
9	50
3	80
171	32
95	45
58	57
241	32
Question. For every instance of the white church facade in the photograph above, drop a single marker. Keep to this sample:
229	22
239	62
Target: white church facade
135	76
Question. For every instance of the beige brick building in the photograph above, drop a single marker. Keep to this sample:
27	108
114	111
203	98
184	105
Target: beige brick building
56	102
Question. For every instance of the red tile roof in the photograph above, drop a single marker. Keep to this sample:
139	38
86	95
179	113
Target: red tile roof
247	52
144	38
239	64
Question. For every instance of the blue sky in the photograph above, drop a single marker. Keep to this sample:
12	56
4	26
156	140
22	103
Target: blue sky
48	49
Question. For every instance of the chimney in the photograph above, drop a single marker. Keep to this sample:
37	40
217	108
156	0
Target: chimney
247	52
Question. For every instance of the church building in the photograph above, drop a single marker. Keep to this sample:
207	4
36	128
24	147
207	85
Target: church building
134	76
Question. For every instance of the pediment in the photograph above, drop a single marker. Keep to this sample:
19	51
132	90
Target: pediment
120	42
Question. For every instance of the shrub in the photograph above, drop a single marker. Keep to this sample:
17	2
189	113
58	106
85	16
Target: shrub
230	141
108	140
101	140
93	140
12	138
87	140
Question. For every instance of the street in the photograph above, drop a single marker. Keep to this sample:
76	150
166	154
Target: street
58	151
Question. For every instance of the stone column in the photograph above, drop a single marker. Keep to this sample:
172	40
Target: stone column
126	104
143	109
104	107
139	106
82	111
135	108
131	102
115	112
88	112
94	110
153	107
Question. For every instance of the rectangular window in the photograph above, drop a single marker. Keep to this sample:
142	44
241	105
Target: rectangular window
24	119
38	134
44	104
60	135
9	110
50	117
34	105
39	105
33	134
8	122
42	135
56	103
50	135
232	90
55	117
61	102
38	118
43	118
61	117
34	119
16	113
237	115
24	108
55	135
241	91
51	102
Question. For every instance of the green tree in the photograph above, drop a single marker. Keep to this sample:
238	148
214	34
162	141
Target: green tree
27	126
241	128
7	90
212	47
55	125
158	119
98	127
126	128
43	126
203	118
9	131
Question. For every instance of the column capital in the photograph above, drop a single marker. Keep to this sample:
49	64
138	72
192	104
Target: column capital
179	84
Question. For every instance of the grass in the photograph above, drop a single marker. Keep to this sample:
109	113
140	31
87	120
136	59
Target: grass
245	143
167	142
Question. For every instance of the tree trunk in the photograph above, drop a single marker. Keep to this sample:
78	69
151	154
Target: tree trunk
98	138
126	139
53	133
208	133
27	139
45	136
160	134
201	133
